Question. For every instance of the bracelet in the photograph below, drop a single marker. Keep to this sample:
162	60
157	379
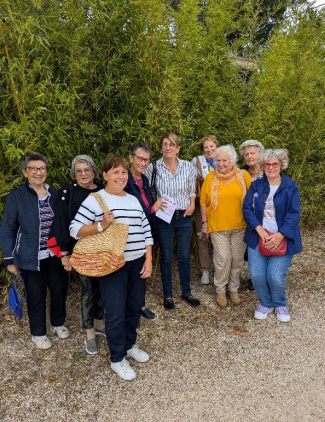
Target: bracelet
203	222
64	256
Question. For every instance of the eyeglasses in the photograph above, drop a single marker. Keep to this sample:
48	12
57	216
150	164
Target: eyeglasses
34	170
87	170
171	145
141	159
271	165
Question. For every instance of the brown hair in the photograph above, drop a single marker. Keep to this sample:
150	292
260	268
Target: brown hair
172	137
209	138
113	161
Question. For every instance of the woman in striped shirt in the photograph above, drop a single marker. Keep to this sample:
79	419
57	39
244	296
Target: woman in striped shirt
122	291
176	179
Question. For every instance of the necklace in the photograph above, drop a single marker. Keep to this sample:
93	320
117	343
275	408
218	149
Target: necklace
115	194
276	181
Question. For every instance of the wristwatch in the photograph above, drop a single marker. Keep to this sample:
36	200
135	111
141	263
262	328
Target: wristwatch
99	227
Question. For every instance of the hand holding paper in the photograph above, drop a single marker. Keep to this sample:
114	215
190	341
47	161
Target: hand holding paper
167	213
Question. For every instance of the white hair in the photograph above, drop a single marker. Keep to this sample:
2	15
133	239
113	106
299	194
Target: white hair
250	143
280	154
228	149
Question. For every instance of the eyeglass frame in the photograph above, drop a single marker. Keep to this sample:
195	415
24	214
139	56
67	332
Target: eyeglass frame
87	170
141	159
272	165
170	145
34	170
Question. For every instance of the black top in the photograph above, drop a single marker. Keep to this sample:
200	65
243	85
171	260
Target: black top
69	199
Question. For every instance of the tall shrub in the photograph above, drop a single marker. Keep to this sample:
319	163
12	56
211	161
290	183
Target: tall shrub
288	104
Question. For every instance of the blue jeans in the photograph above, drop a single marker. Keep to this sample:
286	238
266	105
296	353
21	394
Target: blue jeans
123	295
182	226
268	275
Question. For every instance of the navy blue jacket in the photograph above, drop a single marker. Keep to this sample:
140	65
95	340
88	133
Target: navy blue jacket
132	189
20	227
287	212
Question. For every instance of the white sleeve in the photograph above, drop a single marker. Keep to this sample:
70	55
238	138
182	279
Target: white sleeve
88	212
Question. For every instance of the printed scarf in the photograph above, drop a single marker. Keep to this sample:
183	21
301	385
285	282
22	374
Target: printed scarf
218	177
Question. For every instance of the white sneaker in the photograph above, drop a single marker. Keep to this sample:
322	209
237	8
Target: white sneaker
205	277
262	312
282	314
138	354
61	332
42	342
124	370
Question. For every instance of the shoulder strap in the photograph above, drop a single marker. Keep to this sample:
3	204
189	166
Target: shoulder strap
154	174
101	201
198	163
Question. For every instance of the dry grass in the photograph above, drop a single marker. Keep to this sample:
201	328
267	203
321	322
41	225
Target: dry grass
206	364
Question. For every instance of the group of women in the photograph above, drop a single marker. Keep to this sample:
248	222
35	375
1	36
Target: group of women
237	207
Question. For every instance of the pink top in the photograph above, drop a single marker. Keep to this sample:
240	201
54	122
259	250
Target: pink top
139	183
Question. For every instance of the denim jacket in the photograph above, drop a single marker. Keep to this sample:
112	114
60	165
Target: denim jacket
287	212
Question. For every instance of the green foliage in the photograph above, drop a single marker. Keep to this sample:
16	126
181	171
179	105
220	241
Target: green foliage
288	105
96	76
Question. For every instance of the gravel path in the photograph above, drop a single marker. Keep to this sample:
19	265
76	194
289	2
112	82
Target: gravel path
206	364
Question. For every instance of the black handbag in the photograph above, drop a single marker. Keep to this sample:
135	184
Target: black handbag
17	296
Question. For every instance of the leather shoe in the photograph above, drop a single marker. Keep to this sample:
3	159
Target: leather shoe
191	300
169	303
146	313
250	284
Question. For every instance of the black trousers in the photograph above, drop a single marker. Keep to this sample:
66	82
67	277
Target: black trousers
53	277
91	301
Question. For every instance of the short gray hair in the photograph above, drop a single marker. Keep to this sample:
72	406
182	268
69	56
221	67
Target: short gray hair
140	145
230	150
280	154
82	159
250	143
33	156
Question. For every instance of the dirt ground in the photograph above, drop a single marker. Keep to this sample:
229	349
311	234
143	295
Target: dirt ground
206	364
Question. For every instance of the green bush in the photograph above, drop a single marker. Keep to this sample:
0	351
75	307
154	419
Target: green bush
95	76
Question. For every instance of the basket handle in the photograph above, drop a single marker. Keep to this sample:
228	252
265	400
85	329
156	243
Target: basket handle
101	201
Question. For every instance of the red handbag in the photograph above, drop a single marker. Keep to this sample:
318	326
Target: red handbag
280	250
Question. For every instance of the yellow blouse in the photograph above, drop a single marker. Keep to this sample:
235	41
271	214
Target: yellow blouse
228	215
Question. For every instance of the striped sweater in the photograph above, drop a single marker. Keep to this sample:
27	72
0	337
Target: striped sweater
126	209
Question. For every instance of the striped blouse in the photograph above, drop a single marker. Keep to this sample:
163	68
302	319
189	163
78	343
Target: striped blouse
126	209
180	186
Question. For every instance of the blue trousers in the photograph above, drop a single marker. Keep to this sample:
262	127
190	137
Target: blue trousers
268	275
123	295
182	226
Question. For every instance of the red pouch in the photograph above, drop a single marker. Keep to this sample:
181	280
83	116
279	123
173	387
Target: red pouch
279	251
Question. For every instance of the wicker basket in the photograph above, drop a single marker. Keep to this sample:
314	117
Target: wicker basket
102	253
